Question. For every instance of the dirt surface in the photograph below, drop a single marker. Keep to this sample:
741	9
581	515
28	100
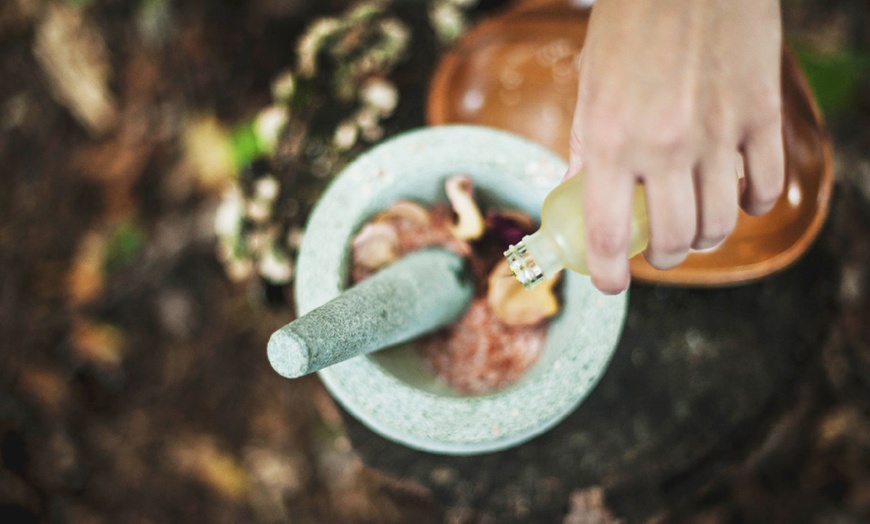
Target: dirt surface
134	385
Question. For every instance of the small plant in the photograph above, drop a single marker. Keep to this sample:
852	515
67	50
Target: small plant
324	112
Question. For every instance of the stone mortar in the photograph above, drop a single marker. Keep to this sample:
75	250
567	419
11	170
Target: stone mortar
391	391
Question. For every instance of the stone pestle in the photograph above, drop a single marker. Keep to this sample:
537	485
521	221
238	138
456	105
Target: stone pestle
415	295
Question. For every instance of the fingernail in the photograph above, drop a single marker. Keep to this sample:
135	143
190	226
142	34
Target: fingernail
616	279
707	245
665	261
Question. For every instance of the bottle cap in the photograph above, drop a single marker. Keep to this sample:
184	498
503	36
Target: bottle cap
523	265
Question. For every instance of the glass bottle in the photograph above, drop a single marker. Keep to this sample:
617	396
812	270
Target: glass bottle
560	242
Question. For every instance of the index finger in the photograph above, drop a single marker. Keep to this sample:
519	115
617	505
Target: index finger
607	199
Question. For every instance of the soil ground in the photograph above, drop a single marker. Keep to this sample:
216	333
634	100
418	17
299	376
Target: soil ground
133	380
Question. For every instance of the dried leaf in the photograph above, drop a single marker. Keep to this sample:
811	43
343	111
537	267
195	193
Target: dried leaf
201	458
844	425
97	343
73	55
85	280
517	306
48	386
277	472
116	164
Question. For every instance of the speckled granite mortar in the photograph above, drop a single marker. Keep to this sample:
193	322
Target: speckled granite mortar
391	391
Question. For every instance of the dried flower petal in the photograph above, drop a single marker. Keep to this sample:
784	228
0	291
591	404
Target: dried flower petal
515	305
375	246
469	224
509	226
404	210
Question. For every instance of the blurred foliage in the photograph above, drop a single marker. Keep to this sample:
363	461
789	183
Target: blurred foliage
246	145
154	20
834	76
125	244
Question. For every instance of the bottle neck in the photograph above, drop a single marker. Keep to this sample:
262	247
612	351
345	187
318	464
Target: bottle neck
535	258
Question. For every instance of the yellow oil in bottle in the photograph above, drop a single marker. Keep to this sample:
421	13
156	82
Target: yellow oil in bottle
560	242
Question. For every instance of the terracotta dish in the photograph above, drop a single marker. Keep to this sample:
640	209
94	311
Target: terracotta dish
516	72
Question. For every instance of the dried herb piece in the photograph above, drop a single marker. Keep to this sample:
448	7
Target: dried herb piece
515	305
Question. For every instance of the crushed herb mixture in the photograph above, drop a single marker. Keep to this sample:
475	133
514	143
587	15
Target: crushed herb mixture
503	331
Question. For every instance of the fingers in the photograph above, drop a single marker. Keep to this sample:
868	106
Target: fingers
765	169
606	210
670	203
716	187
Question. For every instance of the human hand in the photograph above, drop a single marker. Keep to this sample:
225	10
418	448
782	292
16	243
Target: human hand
681	96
